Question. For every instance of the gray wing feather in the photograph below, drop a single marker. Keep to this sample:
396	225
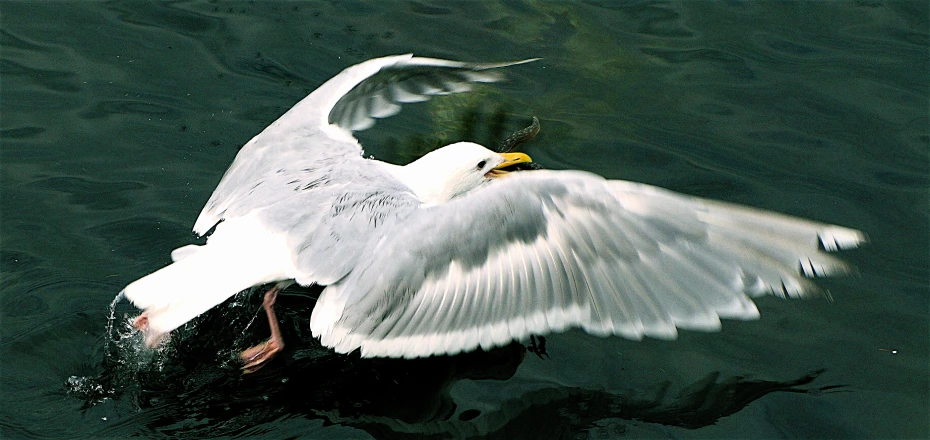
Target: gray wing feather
381	94
541	251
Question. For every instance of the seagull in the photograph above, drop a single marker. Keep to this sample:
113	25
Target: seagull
454	252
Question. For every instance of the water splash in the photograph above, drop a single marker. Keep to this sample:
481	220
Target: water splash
125	345
91	390
125	361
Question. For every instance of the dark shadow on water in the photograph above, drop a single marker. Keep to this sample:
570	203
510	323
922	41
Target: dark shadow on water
192	387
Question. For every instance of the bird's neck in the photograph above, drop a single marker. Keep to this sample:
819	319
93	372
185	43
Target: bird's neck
423	181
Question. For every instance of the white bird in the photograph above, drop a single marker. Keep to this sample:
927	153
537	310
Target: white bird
450	252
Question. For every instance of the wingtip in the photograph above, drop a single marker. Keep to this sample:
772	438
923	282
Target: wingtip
484	66
418	60
834	238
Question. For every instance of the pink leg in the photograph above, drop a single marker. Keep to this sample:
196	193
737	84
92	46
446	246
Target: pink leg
255	357
141	323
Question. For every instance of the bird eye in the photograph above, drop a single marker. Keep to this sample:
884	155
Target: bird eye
482	164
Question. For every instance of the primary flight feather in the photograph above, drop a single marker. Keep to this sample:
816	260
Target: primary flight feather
450	253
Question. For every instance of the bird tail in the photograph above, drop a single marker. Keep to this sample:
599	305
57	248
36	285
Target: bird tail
183	290
202	277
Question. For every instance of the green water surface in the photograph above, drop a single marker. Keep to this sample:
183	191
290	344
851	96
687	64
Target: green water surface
118	119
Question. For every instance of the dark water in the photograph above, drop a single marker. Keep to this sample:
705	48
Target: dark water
119	119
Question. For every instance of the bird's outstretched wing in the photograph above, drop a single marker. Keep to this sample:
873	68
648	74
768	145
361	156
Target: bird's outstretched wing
299	202
314	138
541	251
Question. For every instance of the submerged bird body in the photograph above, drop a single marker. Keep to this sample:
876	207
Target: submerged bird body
451	252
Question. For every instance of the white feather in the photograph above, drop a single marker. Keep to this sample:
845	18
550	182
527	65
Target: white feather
240	254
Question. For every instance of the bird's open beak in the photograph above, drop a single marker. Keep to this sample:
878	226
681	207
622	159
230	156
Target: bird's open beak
510	159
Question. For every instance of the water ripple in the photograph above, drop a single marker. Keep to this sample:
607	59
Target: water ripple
94	194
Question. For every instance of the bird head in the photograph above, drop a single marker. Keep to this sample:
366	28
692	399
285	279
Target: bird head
456	169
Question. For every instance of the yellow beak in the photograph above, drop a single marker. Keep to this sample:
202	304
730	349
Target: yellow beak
509	159
513	159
